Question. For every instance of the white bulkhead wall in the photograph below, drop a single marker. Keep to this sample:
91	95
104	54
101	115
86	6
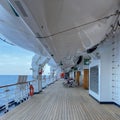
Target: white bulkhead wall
106	73
116	69
109	71
72	75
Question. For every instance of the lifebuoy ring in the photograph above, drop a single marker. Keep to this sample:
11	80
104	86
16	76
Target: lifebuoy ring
31	90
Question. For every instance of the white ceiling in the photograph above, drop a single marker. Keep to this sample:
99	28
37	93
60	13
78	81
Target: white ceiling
47	17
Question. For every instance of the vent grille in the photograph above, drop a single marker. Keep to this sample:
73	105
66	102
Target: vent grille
22	10
94	79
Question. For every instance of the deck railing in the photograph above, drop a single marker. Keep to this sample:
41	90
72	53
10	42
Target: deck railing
15	94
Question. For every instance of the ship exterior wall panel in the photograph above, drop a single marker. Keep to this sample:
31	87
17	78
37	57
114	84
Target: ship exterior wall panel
106	74
116	69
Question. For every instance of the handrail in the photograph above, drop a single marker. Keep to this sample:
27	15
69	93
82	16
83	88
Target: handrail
16	84
11	95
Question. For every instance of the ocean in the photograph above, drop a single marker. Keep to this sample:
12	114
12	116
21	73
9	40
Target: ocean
6	80
12	79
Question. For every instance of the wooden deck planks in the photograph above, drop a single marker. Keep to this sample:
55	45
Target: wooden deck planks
59	103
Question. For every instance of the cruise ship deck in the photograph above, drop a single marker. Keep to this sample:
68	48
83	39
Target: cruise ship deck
57	102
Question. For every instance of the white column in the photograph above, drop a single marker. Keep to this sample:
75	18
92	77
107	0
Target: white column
39	83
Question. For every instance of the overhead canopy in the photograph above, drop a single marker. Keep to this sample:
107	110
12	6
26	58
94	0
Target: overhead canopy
58	18
14	29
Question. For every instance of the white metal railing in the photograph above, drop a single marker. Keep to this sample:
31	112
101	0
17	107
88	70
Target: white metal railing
13	94
17	93
47	81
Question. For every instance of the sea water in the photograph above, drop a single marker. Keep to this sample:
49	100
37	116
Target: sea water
12	79
7	80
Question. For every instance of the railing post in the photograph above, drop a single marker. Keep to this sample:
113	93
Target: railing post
17	95
27	91
7	100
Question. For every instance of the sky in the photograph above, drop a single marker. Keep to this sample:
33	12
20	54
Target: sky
14	60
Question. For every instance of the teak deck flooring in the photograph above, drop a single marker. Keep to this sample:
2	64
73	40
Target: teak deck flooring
57	102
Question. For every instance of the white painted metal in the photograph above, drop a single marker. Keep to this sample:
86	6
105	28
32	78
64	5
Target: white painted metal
105	79
45	17
116	69
16	30
40	18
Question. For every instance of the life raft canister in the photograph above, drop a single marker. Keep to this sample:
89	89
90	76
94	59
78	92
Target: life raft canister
31	90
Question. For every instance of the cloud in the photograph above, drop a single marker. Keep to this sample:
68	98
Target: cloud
10	64
5	56
14	60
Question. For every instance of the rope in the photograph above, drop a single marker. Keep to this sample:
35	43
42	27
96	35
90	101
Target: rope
7	42
69	29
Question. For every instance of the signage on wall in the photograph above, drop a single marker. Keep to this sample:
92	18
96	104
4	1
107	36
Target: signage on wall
87	61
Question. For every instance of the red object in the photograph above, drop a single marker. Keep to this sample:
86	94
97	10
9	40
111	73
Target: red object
62	75
40	72
31	90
